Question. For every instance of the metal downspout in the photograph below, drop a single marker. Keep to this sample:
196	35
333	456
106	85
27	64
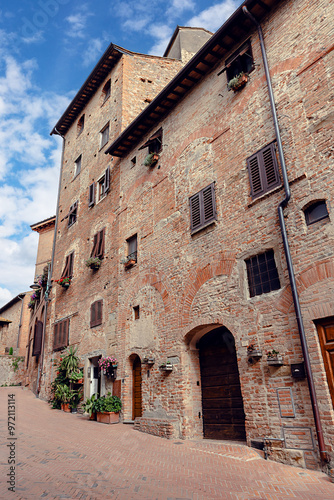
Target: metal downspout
50	269
282	205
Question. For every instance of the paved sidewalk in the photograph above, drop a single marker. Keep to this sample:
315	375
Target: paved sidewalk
63	455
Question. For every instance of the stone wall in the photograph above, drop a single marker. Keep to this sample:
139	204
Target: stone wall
9	374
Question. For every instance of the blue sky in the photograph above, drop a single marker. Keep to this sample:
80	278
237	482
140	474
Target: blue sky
47	50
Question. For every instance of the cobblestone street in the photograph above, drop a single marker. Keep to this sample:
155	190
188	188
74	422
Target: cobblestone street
63	455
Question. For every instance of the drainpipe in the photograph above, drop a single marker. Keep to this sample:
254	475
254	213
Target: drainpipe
282	205
50	270
21	313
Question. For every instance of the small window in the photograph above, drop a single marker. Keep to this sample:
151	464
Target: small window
239	62
106	91
132	247
72	214
38	336
263	171
103	185
61	334
104	135
98	245
262	273
96	313
77	166
315	212
133	161
91	195
136	312
81	124
154	143
68	268
202	208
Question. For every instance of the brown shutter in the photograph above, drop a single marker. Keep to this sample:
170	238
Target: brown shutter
91	198
66	268
254	175
55	337
107	180
209	205
195	212
100	245
38	335
61	334
95	246
70	266
92	314
263	171
66	325
96	313
99	312
270	167
117	388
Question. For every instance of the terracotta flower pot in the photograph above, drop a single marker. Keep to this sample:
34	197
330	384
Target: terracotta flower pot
108	417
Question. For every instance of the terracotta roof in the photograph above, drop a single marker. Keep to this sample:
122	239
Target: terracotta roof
233	32
43	224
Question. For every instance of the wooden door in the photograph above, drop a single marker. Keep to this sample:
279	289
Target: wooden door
222	404
326	336
136	409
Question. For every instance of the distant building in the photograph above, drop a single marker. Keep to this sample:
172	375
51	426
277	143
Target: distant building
173	176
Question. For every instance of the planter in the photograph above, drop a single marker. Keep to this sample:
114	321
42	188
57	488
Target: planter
149	361
93	416
95	266
166	368
108	417
129	263
255	354
238	82
275	361
65	285
66	407
74	410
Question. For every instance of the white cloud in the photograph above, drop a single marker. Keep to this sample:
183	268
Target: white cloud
213	17
92	52
162	33
5	296
78	22
179	6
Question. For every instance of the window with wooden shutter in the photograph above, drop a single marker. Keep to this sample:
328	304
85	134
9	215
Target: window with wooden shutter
91	196
202	208
72	214
263	171
104	136
68	268
61	334
154	143
132	247
98	245
38	336
107	180
96	313
241	61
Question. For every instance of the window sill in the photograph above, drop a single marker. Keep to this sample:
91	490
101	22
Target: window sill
275	190
104	145
208	224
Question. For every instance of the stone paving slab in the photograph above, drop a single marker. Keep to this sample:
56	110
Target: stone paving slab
66	456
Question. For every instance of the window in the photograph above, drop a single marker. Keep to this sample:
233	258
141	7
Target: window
239	62
81	124
133	161
202	208
154	143
132	247
98	246
72	214
315	212
96	313
104	136
68	268
262	273
61	334
77	166
136	312
106	91
263	171
38	336
103	185
91	196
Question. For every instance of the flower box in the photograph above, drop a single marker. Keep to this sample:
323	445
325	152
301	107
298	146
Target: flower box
129	263
275	360
66	407
256	353
238	82
168	367
149	361
107	417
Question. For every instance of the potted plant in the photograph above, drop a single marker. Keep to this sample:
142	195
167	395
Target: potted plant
75	398
70	362
64	282
42	280
128	261
274	358
149	360
94	263
88	407
34	298
151	159
253	351
167	367
237	82
63	394
108	365
77	377
107	409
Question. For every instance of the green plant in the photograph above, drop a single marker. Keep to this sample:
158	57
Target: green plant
151	159
63	393
75	397
70	362
272	353
93	262
64	281
75	376
107	403
15	363
88	405
10	351
238	80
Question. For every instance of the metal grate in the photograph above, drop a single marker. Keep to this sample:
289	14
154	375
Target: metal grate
262	273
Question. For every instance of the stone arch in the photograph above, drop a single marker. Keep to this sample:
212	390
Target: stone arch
220	264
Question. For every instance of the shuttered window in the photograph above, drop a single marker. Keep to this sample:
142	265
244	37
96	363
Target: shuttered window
202	208
61	334
98	245
68	268
132	247
104	134
72	214
38	335
91	196
263	171
262	273
154	143
96	313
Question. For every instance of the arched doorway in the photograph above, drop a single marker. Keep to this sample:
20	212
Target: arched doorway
222	404
136	385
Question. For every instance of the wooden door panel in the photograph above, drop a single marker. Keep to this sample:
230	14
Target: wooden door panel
325	330
137	396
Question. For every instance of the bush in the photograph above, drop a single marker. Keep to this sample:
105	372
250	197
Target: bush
107	403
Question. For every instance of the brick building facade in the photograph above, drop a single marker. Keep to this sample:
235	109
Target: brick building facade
194	270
